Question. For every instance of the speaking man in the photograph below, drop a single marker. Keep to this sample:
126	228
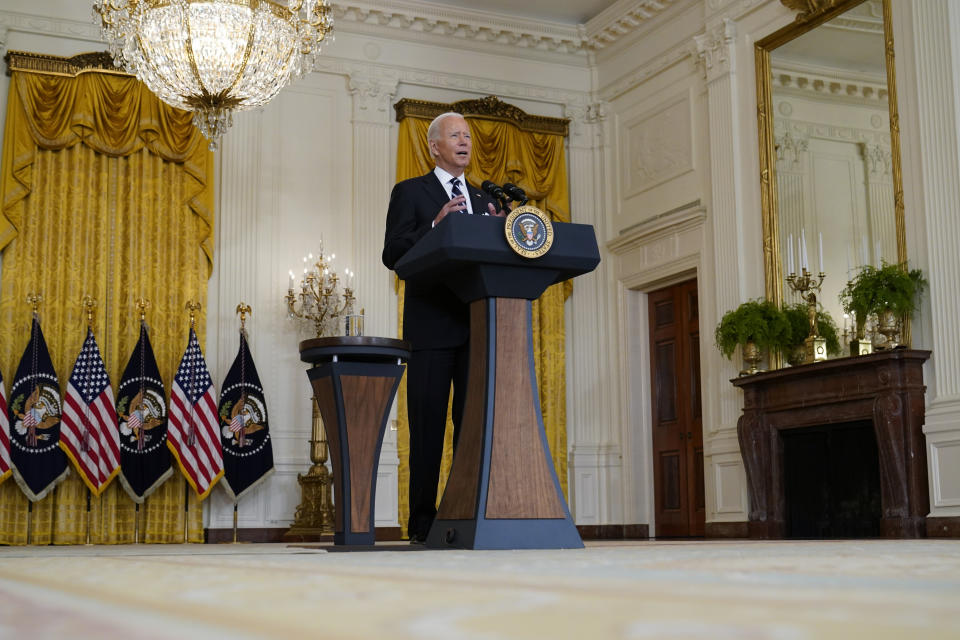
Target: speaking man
435	321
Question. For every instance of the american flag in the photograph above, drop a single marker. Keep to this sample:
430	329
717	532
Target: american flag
4	433
237	422
88	427
192	435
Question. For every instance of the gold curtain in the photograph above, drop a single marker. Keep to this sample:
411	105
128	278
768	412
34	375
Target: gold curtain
535	161
104	191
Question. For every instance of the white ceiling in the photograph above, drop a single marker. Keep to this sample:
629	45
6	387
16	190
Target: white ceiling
563	11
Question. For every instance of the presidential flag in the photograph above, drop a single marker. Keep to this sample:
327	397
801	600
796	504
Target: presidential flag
142	412
36	459
89	434
244	432
193	436
4	433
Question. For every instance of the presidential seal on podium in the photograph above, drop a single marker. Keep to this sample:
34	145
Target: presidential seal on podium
529	232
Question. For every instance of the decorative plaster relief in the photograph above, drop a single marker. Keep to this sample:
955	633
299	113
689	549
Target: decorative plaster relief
372	97
581	117
878	158
715	49
790	149
658	148
807	130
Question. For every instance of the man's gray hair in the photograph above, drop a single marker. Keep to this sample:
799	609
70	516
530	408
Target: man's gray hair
433	131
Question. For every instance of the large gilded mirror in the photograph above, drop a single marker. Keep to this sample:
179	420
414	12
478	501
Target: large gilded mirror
829	145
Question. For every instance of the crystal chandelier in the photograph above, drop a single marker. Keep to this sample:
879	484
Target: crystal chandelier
214	57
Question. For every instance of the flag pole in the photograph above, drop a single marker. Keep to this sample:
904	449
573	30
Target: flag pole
186	509
235	522
88	518
29	519
136	523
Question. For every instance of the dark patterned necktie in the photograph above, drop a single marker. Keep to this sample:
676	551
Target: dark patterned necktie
455	190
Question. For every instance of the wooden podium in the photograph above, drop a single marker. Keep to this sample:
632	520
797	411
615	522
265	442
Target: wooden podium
503	491
354	380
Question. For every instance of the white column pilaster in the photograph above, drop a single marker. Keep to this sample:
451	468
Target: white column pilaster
593	425
373	178
724	286
933	134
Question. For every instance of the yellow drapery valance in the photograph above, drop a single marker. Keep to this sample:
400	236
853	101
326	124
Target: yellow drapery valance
508	146
106	191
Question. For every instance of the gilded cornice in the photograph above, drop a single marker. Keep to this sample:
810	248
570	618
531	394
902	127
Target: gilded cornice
489	107
60	66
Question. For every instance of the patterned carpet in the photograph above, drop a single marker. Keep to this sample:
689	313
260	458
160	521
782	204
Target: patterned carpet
661	590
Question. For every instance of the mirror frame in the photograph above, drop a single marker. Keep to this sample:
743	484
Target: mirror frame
812	13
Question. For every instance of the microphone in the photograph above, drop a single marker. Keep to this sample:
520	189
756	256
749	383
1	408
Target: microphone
495	192
515	193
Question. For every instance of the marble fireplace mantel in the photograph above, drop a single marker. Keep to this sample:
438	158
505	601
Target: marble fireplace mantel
885	388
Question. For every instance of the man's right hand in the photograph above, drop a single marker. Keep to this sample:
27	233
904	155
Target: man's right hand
456	204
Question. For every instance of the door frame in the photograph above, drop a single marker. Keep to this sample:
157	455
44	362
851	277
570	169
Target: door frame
637	274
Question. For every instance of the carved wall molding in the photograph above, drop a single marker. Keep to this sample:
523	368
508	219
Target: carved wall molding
715	48
458	27
878	158
26	23
807	130
790	149
621	19
484	29
489	107
372	97
657	146
859	89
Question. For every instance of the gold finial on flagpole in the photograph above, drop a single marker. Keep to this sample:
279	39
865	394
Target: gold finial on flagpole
193	308
142	306
243	309
89	303
34	300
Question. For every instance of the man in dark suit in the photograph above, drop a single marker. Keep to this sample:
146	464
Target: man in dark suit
434	320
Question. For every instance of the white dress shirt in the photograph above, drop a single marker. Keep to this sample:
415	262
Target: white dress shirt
445	179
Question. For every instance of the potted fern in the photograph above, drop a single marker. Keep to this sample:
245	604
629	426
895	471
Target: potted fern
890	291
756	326
798	318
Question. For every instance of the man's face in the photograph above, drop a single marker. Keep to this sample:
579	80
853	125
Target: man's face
452	151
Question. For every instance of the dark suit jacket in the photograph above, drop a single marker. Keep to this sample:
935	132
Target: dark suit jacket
432	318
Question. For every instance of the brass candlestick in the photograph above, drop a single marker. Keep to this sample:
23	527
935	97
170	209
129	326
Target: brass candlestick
859	345
319	300
314	517
808	285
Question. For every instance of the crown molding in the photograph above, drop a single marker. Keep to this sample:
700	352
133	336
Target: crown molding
621	19
824	83
410	19
460	28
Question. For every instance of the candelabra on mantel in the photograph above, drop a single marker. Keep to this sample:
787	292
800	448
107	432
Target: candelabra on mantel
807	285
323	304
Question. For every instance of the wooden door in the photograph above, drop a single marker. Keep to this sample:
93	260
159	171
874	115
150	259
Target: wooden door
677	423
